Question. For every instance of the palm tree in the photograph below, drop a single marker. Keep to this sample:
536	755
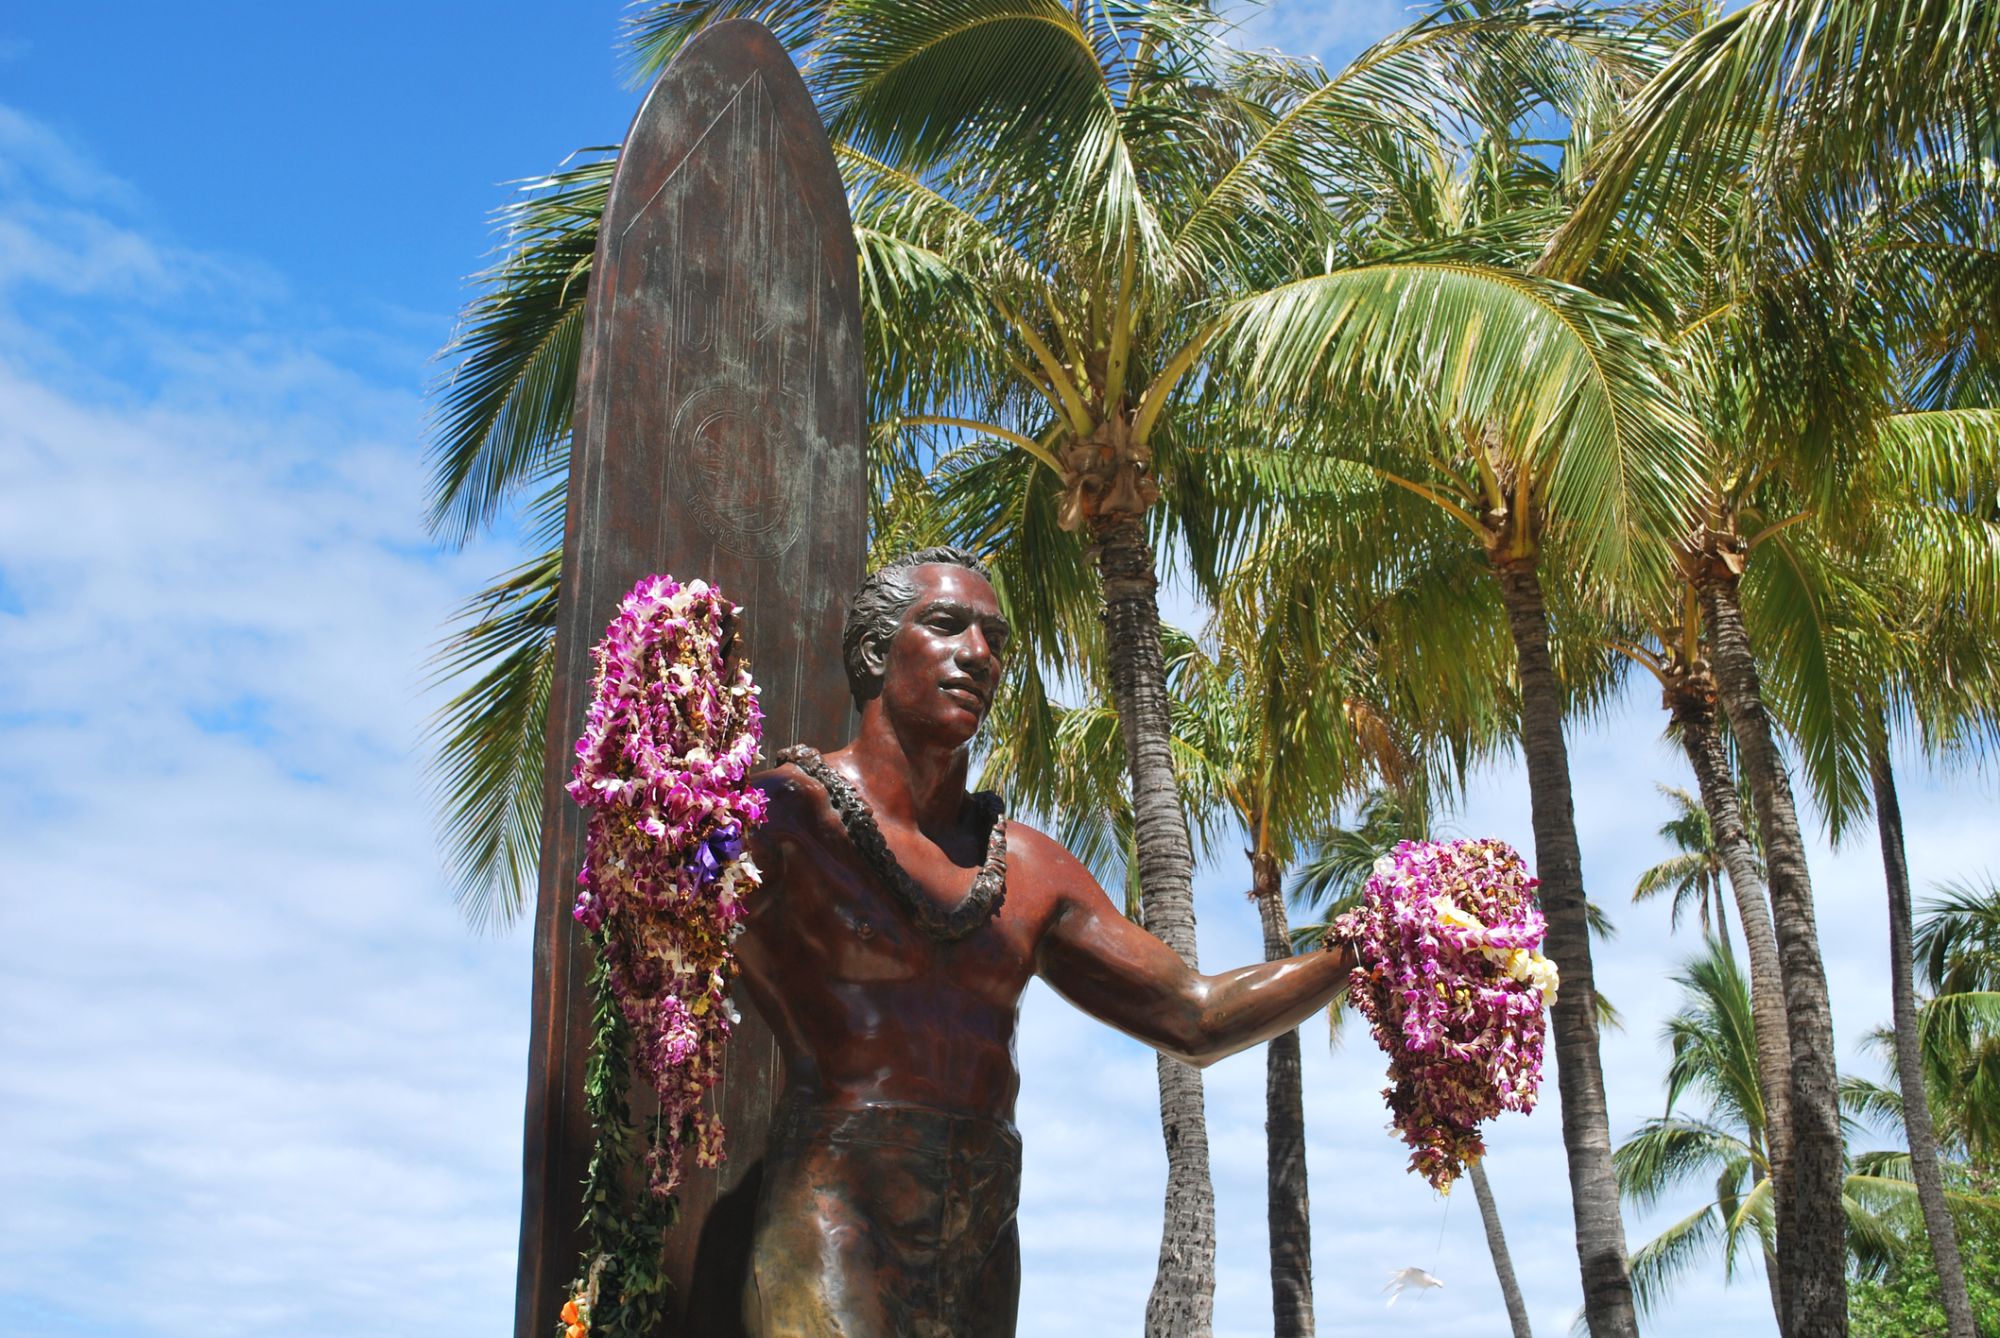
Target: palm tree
1878	610
1681	664
1300	711
1496	1245
1694	874
1583	477
1958	956
1931	640
1061	214
1713	1043
1766	362
1940	1231
1975	1213
1956	1076
1277	716
1774	128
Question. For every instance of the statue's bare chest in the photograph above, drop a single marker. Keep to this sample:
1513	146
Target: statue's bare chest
869	935
827	919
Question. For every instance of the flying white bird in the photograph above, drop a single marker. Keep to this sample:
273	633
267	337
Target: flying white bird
1409	1279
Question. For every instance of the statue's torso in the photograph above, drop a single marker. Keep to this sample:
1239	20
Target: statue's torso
866	1008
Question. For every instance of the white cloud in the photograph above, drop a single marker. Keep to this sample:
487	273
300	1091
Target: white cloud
70	231
32	153
256	1076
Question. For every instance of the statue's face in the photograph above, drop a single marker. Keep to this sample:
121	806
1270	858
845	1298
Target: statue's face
941	668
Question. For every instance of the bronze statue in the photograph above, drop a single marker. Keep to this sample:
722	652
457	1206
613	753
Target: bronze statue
899	925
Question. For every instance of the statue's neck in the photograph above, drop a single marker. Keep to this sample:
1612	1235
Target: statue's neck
917	780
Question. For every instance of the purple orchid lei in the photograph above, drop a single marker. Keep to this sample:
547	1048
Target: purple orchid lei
672	732
1454	986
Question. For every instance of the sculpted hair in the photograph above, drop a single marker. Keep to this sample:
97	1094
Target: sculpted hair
877	608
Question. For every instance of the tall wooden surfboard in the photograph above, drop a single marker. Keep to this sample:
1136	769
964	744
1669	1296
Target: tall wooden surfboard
719	434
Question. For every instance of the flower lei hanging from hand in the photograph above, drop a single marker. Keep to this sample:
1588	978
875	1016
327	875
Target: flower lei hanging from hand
1451	979
672	733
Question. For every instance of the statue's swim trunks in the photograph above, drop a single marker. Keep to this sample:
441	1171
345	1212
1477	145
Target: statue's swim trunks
886	1222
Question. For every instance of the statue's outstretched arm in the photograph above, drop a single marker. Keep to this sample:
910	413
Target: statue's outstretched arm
1118	973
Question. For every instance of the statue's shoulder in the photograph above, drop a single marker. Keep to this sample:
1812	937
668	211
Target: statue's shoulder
1047	860
797	801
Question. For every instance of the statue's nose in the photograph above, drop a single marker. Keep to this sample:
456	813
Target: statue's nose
973	648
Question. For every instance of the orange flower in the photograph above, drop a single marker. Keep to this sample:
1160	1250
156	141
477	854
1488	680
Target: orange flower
577	1331
569	1313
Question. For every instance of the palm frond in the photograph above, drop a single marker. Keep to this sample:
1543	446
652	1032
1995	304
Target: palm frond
1580	395
1822	108
1809	620
1867	1100
1662	1261
504	408
1668	1151
490	735
1958	938
655	32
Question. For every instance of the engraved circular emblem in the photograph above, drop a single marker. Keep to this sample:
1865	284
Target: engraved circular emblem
740	469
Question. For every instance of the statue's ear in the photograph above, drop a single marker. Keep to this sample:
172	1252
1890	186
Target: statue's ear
875	654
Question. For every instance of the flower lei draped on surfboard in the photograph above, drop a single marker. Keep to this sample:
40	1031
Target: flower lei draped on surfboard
1454	986
672	732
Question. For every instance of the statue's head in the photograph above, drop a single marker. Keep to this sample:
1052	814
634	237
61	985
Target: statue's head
945	597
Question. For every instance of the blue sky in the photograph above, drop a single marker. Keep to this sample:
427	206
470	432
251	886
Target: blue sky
255	1075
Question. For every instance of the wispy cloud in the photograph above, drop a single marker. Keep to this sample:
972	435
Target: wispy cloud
257	1078
33	154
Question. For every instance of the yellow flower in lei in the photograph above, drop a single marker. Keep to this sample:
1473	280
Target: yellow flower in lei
1449	913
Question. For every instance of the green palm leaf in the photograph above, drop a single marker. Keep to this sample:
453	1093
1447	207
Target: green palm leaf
1580	394
656	32
504	408
1661	1261
491	736
1820	105
1669	1151
1809	620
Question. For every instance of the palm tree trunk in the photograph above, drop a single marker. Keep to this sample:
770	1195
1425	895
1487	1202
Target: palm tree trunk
1182	1304
1284	1132
1721	916
1600	1230
1909	1063
1496	1241
1694	721
1812	1244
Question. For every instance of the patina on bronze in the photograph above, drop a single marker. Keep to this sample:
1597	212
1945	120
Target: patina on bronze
719	434
889	1194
